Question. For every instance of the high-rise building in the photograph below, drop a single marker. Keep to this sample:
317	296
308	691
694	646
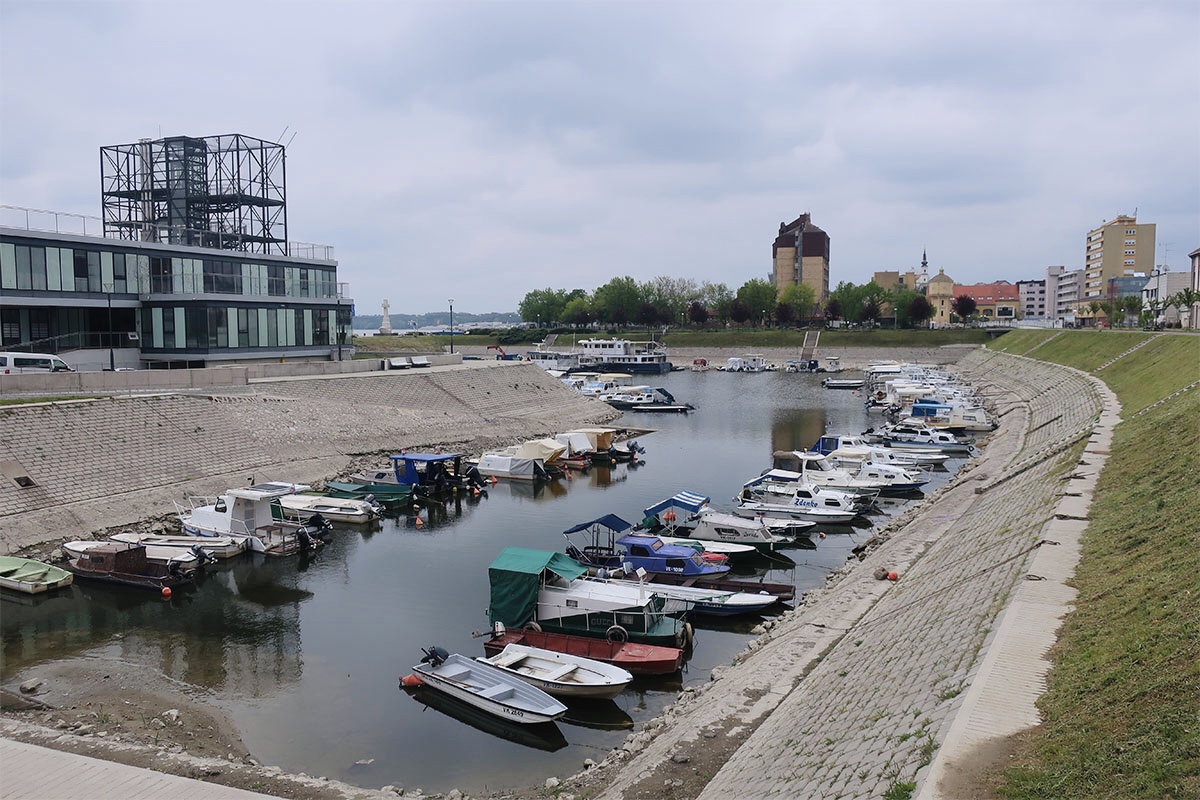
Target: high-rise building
1032	299
800	255
1117	248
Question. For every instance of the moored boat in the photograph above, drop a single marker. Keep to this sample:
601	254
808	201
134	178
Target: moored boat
185	558
216	546
640	659
250	515
607	543
116	562
486	687
30	576
561	674
337	509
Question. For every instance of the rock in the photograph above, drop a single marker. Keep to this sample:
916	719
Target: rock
453	794
171	714
84	730
588	763
881	574
363	762
552	783
390	788
681	758
30	686
757	630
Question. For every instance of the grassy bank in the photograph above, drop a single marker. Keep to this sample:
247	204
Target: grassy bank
1122	712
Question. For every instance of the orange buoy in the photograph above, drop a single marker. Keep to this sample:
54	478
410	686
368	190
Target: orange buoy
821	534
893	576
410	680
166	592
419	523
495	480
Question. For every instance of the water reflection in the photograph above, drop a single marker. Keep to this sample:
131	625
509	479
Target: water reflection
542	736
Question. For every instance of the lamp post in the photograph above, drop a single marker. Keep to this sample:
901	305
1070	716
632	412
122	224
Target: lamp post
451	326
112	361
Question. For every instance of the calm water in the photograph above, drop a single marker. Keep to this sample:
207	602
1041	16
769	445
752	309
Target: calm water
306	654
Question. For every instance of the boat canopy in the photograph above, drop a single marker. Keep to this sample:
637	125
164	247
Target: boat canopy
546	449
418	468
575	442
610	521
689	501
515	578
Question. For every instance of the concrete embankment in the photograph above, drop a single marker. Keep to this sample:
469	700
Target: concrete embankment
870	686
94	464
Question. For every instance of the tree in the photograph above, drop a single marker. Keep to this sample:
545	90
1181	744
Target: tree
1132	304
542	305
670	296
716	297
697	313
900	303
1184	300
869	312
618	300
963	306
833	309
739	312
758	296
647	314
919	310
578	312
800	297
784	314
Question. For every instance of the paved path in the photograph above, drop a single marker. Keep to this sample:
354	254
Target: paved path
855	692
31	772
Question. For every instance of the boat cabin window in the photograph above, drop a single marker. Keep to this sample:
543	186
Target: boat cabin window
678	563
572	603
639	550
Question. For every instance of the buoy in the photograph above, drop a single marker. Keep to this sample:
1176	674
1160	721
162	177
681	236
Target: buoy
821	534
893	576
166	592
569	475
419	523
410	680
495	480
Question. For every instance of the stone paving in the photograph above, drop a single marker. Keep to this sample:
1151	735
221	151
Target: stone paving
115	461
854	691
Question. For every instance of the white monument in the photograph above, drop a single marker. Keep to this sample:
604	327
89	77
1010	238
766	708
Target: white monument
386	328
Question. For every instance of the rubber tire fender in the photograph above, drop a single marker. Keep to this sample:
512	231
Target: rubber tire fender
616	634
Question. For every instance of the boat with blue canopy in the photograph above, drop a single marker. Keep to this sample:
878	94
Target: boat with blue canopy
607	543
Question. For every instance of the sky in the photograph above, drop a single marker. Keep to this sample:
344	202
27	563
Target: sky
475	151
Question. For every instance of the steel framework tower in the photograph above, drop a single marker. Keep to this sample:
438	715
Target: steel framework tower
227	192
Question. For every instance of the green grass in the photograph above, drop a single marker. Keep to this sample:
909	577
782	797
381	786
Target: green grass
1087	350
1020	342
20	401
1122	713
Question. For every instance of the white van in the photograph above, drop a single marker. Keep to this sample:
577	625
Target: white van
17	363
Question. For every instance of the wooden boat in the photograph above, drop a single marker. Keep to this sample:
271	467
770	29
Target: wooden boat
640	659
215	546
155	554
561	674
338	509
486	687
31	577
127	564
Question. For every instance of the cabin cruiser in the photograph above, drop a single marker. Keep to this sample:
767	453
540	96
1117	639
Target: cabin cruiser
250	514
851	446
817	468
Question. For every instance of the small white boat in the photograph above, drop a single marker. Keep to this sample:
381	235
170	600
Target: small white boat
486	687
216	546
561	674
186	559
250	515
843	383
752	509
730	549
703	600
337	509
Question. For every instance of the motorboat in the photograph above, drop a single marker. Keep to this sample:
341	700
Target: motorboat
608	543
757	509
864	479
549	588
727	549
189	559
250	514
644	398
486	687
30	576
425	474
826	445
127	564
702	599
561	674
335	509
919	436
216	546
843	383
687	514
640	659
782	592
782	486
751	362
500	464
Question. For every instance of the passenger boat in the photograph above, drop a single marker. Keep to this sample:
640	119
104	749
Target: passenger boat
611	355
127	564
548	588
605	543
336	509
249	515
30	576
486	687
640	659
561	674
216	546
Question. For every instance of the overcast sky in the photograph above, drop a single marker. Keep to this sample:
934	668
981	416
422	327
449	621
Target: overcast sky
478	150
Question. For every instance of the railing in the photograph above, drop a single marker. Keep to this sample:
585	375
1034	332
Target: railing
37	219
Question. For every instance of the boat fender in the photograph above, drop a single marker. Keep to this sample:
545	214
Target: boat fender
533	626
689	634
410	680
617	634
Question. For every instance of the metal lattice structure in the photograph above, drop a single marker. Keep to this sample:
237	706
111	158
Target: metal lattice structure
227	192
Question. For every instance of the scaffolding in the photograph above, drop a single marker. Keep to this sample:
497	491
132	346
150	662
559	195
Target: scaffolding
226	192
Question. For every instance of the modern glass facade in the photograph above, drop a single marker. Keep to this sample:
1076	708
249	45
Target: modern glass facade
174	302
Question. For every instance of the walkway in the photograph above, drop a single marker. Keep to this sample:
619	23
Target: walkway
31	772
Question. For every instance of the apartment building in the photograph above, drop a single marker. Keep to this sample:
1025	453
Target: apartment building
1115	249
800	255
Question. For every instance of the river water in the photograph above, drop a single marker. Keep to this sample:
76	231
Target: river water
305	655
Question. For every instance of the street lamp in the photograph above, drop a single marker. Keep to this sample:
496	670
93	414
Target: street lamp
451	326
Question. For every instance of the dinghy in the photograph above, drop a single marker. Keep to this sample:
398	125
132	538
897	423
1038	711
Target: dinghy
560	674
486	687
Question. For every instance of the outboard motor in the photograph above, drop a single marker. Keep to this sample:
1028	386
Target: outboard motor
202	555
434	655
321	525
374	504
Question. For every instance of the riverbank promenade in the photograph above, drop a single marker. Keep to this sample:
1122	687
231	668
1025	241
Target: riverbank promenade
874	687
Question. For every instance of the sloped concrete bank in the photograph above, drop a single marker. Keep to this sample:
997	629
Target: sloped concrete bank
114	461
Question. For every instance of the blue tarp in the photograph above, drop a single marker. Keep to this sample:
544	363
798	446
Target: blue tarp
689	501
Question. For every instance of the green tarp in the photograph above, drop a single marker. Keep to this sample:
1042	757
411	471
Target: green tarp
515	578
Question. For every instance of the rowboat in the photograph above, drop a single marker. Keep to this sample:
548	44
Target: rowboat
486	687
338	509
560	674
31	577
640	659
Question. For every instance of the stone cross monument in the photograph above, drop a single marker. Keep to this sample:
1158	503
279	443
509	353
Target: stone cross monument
386	328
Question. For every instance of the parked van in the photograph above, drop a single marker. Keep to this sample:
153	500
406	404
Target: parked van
17	363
